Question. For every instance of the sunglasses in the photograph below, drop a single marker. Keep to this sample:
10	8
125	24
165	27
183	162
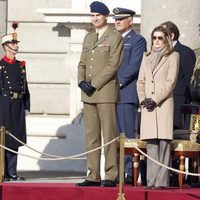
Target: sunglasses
158	37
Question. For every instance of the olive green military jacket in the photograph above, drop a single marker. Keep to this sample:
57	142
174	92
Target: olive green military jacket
99	63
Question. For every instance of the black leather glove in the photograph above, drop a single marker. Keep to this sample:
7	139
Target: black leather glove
82	84
90	89
144	103
87	88
151	104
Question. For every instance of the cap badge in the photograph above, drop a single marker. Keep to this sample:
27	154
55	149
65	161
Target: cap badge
116	10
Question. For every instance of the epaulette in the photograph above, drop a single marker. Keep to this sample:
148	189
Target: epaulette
23	63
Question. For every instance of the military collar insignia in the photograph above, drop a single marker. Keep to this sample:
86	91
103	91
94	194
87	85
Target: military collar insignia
8	60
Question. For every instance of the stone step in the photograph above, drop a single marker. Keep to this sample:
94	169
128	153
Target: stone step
47	125
54	135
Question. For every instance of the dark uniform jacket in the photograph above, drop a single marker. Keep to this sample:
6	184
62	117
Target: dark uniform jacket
14	100
181	90
187	62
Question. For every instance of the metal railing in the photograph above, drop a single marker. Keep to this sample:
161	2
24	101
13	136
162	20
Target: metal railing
121	140
2	153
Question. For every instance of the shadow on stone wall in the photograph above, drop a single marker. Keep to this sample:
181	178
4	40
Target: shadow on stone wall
72	144
62	30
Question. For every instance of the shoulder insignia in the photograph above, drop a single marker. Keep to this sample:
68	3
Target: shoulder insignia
23	63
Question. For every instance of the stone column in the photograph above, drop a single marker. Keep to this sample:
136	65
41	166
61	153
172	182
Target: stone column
3	12
75	93
184	13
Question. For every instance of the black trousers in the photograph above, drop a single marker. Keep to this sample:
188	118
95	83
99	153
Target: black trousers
10	163
143	172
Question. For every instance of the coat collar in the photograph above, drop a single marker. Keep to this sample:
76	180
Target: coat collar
158	67
177	45
102	38
164	58
8	60
129	35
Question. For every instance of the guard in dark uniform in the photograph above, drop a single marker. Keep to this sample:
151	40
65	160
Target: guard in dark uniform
14	102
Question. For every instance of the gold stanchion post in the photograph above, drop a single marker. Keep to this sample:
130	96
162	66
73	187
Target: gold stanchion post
2	153
121	167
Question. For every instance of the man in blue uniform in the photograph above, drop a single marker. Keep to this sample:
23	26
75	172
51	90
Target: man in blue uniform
127	107
14	102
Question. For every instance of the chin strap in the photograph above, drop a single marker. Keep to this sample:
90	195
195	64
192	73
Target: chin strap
11	48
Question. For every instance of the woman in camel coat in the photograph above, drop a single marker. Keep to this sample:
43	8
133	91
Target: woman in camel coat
157	78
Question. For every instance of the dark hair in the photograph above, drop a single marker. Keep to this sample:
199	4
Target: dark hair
173	28
167	38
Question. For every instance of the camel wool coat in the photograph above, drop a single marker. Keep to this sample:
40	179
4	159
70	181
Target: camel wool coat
158	85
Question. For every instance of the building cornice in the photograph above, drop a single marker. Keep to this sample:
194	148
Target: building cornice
73	17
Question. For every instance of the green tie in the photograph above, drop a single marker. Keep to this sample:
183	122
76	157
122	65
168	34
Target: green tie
96	37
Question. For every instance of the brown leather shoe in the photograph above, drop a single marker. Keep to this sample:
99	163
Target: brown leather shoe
88	183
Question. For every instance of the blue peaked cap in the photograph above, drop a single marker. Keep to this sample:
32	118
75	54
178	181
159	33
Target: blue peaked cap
99	7
122	13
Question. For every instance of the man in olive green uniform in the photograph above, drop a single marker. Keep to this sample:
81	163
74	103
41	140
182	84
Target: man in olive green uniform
97	79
